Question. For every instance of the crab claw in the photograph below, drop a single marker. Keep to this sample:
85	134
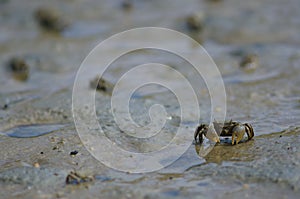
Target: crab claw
212	134
238	133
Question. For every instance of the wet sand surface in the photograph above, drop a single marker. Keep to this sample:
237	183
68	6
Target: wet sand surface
37	132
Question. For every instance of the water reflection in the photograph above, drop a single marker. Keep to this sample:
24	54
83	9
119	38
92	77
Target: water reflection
29	131
225	152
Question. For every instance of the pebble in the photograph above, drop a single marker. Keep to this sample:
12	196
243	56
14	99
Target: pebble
49	19
249	62
195	22
76	178
127	4
36	165
19	68
73	153
101	85
245	186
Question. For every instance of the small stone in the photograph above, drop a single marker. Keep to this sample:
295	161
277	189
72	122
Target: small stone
76	178
50	19
245	186
249	62
55	147
5	106
36	165
218	109
73	153
19	68
126	4
101	85
195	22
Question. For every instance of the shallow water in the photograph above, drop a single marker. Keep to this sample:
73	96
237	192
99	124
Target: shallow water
268	98
29	131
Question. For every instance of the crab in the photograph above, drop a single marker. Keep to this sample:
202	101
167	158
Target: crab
236	130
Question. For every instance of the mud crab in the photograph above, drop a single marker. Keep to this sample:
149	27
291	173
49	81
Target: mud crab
236	130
